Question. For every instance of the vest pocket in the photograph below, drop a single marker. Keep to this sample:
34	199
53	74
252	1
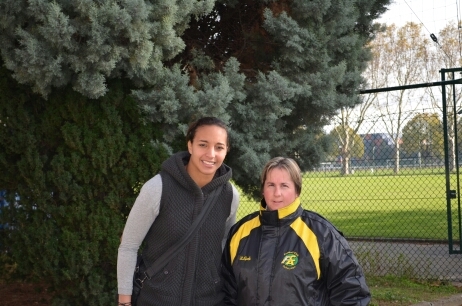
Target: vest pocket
209	281
167	282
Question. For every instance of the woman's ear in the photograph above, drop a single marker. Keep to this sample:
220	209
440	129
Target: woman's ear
189	147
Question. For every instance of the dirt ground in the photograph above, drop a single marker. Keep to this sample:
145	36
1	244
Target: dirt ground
22	294
19	294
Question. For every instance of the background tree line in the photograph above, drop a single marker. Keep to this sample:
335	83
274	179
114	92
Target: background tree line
411	118
94	95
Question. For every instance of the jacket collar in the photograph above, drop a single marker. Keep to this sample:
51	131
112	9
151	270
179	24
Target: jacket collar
175	166
280	216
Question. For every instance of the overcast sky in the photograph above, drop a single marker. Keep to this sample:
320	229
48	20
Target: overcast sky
433	15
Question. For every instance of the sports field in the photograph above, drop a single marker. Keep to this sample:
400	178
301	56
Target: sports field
380	205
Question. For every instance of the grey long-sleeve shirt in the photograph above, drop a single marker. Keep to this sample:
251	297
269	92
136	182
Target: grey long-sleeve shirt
143	213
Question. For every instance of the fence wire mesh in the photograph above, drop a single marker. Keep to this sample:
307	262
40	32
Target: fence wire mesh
391	208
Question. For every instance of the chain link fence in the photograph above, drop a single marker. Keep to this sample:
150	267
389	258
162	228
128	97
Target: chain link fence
391	208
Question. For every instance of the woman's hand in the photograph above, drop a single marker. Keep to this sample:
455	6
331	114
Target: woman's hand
125	300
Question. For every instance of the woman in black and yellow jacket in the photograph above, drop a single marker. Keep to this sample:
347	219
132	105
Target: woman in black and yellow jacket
285	255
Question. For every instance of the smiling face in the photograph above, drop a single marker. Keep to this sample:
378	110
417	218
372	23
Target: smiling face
208	150
279	189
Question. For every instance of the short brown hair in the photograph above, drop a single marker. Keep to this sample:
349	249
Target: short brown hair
289	165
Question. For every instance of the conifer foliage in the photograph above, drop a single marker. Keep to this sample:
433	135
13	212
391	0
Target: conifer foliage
275	70
72	167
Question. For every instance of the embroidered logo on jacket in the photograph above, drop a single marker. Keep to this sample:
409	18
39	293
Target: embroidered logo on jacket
290	260
245	258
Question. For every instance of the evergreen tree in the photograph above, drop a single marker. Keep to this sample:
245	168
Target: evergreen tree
76	165
276	70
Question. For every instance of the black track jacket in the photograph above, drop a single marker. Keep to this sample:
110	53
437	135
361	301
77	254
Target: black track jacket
290	256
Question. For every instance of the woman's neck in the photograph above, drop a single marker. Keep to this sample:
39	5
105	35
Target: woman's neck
200	179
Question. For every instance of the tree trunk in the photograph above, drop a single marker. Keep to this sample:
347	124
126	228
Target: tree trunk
345	165
396	167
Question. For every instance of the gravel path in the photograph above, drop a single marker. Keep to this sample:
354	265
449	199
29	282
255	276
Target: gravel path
424	260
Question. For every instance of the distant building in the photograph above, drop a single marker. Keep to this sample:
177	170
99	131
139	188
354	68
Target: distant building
378	148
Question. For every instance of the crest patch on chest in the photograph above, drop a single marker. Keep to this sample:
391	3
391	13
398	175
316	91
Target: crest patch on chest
290	260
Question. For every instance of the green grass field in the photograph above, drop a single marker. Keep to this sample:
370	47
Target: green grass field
380	204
